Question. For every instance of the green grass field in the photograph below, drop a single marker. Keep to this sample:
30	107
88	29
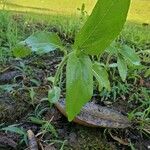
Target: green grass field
139	10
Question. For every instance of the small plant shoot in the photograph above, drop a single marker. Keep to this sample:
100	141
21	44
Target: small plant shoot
100	30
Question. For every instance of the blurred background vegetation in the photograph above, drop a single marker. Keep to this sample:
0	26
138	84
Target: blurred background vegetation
139	11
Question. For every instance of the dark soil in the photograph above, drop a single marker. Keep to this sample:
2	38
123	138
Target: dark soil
16	107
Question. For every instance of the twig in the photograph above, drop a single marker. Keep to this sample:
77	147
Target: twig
121	141
32	140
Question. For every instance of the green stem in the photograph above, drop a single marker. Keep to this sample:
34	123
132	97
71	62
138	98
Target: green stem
61	65
64	51
107	61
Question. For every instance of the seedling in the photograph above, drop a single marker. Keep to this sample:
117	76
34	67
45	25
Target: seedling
126	58
101	28
18	130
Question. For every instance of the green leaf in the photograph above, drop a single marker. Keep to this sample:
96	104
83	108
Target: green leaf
113	65
101	75
122	67
48	127
130	55
51	79
102	27
54	94
21	51
43	42
36	120
40	42
147	73
112	48
14	129
79	84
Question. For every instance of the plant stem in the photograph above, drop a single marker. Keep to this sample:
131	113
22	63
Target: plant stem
59	69
107	61
64	51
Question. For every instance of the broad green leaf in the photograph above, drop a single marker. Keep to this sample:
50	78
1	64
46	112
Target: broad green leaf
122	67
130	54
54	94
40	42
101	75
102	27
21	51
79	84
43	42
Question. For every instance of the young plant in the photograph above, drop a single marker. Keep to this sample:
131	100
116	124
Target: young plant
126	58
101	28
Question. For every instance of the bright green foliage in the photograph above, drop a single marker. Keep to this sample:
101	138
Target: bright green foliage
40	42
122	67
101	28
21	51
130	55
101	75
54	94
112	49
43	42
127	58
104	24
79	85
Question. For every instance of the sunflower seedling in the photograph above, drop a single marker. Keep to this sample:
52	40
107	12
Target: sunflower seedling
99	31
